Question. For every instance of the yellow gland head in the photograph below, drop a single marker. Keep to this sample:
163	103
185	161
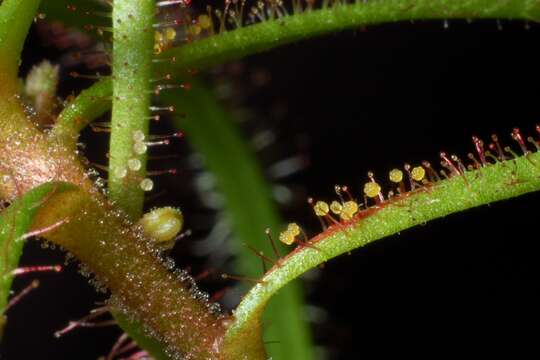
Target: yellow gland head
204	21
293	229
336	207
372	189
321	208
396	175
418	173
158	36
158	48
162	224
195	29
169	34
350	208
286	237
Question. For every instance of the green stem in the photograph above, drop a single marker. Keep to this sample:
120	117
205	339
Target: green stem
267	35
495	182
142	285
89	105
131	69
16	16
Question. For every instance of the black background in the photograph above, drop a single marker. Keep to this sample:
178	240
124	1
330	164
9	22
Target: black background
353	102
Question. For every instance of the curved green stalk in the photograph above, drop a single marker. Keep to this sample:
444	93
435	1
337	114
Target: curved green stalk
16	16
496	182
89	105
131	70
247	40
249	208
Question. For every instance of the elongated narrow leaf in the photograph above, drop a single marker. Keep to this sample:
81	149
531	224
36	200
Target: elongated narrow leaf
15	222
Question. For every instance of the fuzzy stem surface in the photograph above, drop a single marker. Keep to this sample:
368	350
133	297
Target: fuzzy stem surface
269	34
133	41
495	182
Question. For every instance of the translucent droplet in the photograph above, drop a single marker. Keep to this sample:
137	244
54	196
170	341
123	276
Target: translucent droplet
138	136
134	164
147	184
120	173
139	148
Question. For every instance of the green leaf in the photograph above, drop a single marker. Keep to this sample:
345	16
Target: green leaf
15	222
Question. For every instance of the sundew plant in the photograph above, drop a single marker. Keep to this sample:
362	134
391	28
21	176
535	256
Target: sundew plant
94	161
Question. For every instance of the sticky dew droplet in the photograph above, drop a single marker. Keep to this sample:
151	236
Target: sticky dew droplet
120	173
134	164
146	184
138	136
139	148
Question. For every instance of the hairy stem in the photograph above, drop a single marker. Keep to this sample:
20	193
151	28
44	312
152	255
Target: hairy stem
131	69
143	287
26	156
495	182
238	43
89	105
100	236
